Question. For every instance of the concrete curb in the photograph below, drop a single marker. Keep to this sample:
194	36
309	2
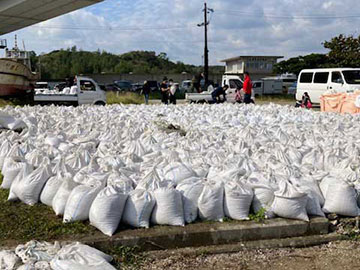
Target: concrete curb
208	234
295	242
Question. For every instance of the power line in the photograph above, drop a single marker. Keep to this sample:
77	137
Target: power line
290	17
114	28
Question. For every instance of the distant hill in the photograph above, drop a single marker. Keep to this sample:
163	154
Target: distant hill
66	63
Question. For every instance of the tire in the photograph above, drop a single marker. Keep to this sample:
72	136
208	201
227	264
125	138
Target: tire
100	103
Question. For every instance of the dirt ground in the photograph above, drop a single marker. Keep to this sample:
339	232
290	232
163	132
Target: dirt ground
342	255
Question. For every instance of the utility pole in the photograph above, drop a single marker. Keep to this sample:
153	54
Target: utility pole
206	50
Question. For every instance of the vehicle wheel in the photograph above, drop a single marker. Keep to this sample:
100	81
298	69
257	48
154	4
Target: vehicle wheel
100	103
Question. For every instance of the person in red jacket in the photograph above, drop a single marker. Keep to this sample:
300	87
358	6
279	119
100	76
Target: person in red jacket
247	88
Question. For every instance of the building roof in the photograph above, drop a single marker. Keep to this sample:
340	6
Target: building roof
17	14
250	56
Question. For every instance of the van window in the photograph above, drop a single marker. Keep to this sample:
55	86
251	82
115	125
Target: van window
235	84
257	85
321	77
306	77
336	77
352	76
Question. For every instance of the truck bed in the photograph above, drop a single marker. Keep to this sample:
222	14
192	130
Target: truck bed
55	98
198	96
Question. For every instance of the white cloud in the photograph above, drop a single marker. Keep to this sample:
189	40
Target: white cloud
272	27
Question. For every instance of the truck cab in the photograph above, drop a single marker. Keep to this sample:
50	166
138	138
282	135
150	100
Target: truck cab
85	91
234	82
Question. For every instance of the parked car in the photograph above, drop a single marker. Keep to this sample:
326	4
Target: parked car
185	86
292	89
154	85
137	87
112	87
123	85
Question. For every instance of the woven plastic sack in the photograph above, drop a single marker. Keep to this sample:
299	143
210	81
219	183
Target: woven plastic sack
237	200
341	199
211	202
138	208
290	203
168	209
107	209
191	190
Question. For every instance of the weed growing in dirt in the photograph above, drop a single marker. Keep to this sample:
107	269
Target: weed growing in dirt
259	216
129	258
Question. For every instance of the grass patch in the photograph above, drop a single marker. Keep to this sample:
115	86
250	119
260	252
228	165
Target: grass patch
20	223
124	98
259	216
129	258
4	103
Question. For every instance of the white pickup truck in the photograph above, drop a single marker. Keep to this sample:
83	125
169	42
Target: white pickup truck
86	91
233	81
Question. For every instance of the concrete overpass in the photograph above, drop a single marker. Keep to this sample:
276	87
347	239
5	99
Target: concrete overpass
17	14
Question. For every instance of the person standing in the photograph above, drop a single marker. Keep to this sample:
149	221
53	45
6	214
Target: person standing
172	92
247	87
146	92
197	82
164	91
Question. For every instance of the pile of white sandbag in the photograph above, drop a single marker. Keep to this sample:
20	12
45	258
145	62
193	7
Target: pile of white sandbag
117	164
36	255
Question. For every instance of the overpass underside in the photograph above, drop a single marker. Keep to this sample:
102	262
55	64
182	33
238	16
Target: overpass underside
17	14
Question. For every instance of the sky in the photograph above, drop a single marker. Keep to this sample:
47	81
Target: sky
287	28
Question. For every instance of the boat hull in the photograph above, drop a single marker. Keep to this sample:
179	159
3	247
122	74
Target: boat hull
16	79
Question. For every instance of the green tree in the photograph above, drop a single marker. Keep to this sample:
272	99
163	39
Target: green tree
296	64
344	51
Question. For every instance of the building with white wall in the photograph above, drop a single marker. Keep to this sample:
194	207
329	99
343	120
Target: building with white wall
257	66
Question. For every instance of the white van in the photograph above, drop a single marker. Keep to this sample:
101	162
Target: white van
318	81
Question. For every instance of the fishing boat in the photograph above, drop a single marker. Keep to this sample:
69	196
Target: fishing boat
16	77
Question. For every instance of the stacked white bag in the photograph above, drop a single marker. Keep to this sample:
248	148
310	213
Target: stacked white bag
272	157
107	209
237	201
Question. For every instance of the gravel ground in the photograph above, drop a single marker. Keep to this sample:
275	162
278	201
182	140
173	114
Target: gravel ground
337	255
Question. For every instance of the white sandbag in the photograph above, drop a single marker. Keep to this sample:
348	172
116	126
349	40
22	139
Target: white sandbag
121	182
34	251
29	188
35	266
178	171
237	200
9	122
326	182
341	199
13	168
211	201
107	209
290	203
4	151
8	260
263	199
138	208
191	190
79	202
81	257
62	195
153	181
168	209
51	188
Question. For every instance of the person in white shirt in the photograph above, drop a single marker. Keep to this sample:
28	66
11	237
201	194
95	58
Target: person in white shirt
172	91
74	88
